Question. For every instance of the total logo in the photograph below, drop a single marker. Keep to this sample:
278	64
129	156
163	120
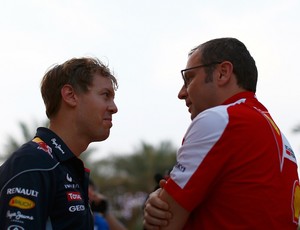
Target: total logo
74	196
15	227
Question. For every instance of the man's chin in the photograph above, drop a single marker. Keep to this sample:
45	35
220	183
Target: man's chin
103	136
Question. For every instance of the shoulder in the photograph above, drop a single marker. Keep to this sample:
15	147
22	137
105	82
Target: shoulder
25	164
210	120
29	156
219	117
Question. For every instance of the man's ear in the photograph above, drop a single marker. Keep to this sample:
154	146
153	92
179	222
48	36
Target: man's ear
68	95
225	72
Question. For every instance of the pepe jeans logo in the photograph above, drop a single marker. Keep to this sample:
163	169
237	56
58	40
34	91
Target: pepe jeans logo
18	216
57	146
21	202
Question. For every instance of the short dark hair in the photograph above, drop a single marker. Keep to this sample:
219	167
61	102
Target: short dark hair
234	51
78	72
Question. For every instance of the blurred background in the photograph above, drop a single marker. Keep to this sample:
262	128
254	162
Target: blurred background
146	44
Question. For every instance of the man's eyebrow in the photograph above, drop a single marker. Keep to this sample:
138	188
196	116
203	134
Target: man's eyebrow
110	91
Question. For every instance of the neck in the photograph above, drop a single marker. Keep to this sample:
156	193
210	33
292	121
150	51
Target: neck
70	137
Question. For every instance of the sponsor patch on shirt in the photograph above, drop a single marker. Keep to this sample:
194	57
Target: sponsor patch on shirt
180	167
17	217
21	202
23	191
76	208
15	227
57	146
296	202
74	196
43	146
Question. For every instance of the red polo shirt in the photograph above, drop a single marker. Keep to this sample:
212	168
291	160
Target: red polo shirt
236	170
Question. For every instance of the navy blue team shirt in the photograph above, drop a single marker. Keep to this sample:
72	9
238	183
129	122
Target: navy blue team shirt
43	185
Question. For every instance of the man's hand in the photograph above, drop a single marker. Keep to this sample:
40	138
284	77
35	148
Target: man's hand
156	212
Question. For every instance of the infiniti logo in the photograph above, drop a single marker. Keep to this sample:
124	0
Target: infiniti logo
15	227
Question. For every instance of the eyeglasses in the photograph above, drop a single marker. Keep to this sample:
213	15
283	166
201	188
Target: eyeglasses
186	80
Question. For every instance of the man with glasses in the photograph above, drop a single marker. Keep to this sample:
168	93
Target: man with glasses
235	169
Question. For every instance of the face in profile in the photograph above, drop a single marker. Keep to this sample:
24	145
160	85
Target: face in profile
96	108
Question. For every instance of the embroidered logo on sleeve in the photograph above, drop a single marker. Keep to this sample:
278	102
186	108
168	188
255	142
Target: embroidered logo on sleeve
296	202
74	196
21	202
24	191
43	146
15	227
57	146
284	149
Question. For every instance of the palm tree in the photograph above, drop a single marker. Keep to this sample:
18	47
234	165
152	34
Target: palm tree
27	131
127	179
136	171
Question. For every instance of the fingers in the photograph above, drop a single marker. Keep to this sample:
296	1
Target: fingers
162	183
154	222
148	226
154	200
156	212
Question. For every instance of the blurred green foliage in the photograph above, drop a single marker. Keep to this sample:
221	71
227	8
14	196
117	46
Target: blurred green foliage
128	179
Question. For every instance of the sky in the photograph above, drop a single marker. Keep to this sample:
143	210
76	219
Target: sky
146	44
